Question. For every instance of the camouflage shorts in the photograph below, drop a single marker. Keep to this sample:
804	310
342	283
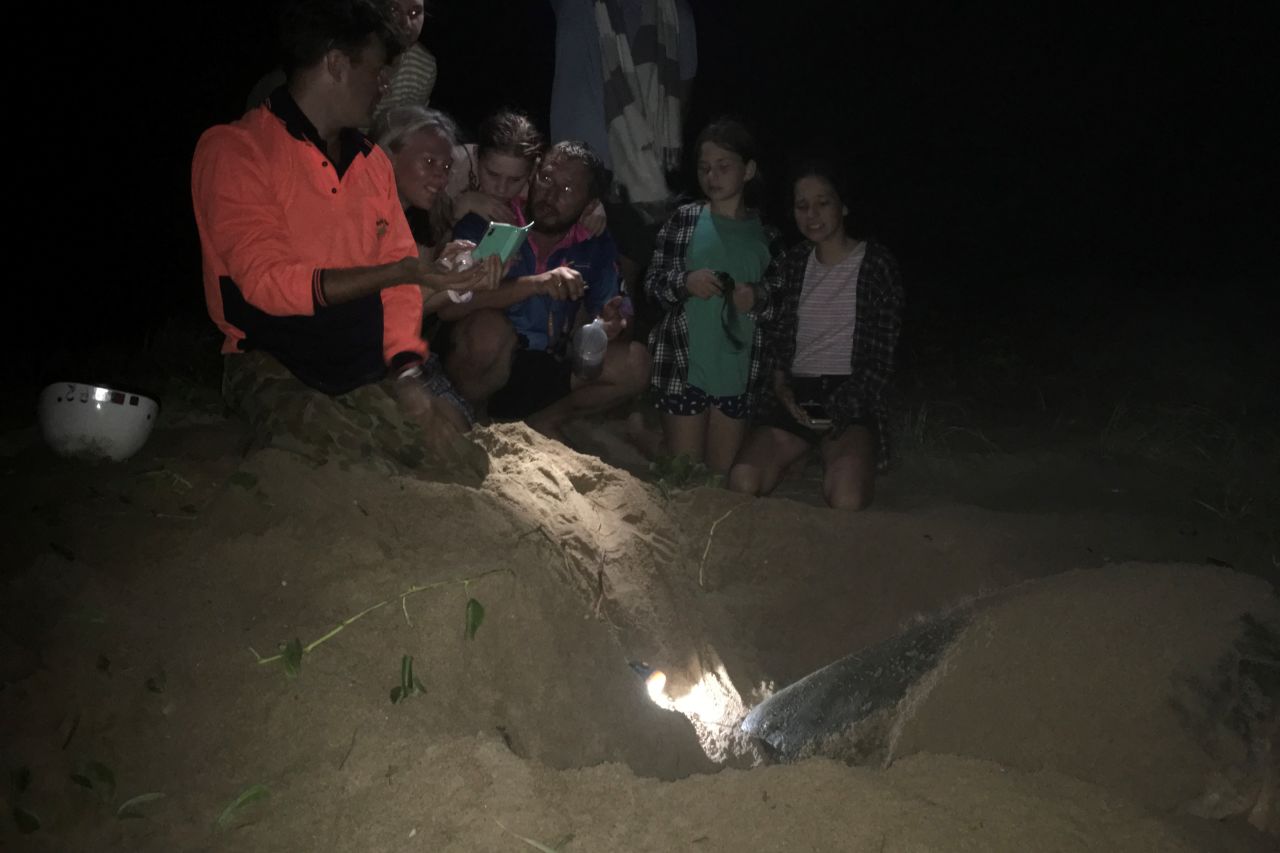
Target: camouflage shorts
362	427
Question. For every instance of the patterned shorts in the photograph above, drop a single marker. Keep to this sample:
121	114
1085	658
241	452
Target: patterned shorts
363	427
694	401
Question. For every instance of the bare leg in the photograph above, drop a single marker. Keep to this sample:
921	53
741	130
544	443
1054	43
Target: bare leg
849	478
765	455
625	375
684	435
480	363
724	437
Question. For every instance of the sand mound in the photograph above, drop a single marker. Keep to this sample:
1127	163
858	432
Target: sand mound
1156	681
1147	680
143	617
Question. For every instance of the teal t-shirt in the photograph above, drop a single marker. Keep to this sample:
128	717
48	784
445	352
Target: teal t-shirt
740	248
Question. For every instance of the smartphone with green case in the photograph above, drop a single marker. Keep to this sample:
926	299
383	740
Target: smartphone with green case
502	240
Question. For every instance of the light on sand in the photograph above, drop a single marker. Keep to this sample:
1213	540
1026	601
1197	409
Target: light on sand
711	704
656	684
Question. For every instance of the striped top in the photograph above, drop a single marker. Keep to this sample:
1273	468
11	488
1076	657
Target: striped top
412	80
827	314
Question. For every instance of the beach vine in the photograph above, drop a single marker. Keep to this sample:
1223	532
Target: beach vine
291	653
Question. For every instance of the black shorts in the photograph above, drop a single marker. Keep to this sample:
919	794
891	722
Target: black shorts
811	394
538	379
694	401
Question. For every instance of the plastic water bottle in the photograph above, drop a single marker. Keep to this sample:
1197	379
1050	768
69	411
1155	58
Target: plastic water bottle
589	344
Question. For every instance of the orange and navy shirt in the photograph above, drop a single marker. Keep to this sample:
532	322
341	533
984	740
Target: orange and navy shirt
274	212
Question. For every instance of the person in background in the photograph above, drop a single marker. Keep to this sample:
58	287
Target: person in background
413	74
831	324
490	177
623	73
705	272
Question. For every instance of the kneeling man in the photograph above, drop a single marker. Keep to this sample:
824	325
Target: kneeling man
561	279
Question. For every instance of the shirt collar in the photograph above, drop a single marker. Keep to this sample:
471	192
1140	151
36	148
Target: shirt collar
351	142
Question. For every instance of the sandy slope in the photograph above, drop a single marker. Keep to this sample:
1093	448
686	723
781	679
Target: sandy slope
142	588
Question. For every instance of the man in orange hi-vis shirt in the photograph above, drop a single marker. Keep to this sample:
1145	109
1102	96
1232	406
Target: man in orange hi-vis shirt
310	269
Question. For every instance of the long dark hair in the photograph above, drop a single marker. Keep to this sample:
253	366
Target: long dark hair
732	135
823	165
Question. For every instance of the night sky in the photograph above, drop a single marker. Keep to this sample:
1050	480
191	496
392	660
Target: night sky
991	142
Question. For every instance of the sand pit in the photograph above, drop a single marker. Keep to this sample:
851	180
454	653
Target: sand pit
140	590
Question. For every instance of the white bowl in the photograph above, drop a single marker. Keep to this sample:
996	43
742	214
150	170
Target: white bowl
95	421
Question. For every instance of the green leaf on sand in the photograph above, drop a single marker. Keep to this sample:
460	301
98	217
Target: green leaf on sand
27	821
246	797
96	776
475	617
292	658
129	808
409	684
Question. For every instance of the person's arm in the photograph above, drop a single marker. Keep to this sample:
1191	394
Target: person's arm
767	302
875	339
749	296
482	205
594	218
665	280
239	220
508	293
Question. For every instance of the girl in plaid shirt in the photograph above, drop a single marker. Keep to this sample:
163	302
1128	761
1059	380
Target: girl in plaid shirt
706	349
833	313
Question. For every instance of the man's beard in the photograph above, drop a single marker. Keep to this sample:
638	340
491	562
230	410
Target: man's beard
547	224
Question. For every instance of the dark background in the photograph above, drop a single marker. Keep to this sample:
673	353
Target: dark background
995	146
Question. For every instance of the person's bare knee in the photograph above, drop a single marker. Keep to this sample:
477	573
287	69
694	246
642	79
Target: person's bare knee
850	477
850	496
724	437
480	360
684	435
745	479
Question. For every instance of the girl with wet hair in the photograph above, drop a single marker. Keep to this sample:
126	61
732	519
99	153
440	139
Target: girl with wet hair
709	257
491	176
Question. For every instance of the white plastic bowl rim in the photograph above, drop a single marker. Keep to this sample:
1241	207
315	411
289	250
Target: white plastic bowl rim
83	419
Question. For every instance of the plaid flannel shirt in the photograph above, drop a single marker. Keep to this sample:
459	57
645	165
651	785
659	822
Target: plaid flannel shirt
878	300
664	283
